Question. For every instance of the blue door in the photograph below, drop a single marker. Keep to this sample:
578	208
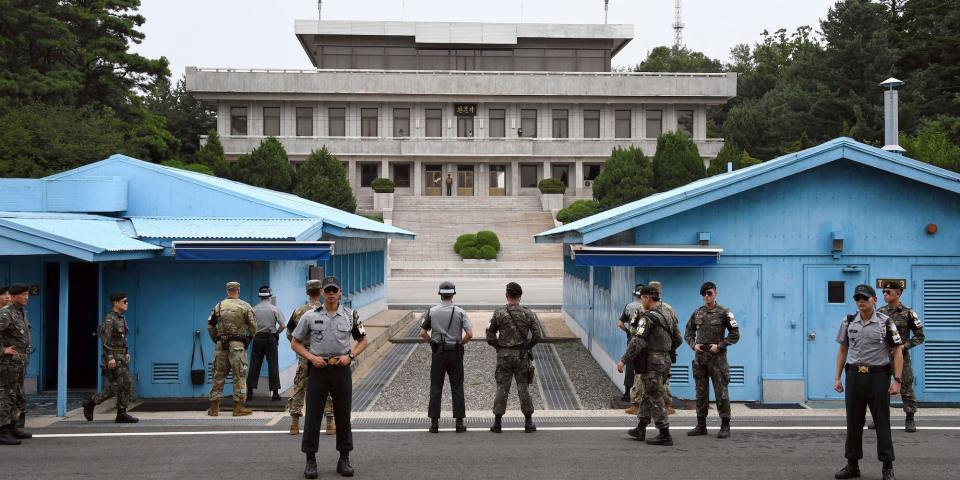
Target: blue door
828	297
936	363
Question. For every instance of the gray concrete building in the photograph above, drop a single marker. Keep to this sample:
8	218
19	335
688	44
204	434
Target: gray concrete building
497	107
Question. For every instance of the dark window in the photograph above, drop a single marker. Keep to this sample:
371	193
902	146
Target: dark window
528	176
464	126
528	123
561	60
529	59
685	122
498	123
271	121
368	172
304	122
401	175
401	122
402	58
369	57
238	121
337	57
561	119
434	122
338	122
654	123
368	122
591	172
434	59
622	124
496	60
836	293
591	124
465	60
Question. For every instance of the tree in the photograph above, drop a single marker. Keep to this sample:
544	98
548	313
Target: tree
211	155
677	162
577	210
186	118
627	176
193	167
672	59
323	179
932	145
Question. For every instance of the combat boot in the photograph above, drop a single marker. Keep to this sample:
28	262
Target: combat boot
310	470
17	433
214	410
343	465
528	426
663	439
276	396
241	411
671	410
639	433
434	425
632	410
22	420
700	429
331	425
460	427
6	438
724	428
294	424
88	407
851	470
497	424
909	424
888	473
124	417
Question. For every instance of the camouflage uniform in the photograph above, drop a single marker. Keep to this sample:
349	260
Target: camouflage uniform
656	335
113	336
507	333
636	393
907	322
706	327
295	404
232	323
14	332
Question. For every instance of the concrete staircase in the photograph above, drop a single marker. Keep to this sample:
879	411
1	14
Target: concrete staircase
438	221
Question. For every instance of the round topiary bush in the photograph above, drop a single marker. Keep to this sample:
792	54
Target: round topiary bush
382	185
487	252
551	185
470	253
577	210
465	240
486	237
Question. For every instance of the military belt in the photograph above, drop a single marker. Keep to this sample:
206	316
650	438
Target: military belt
868	368
518	347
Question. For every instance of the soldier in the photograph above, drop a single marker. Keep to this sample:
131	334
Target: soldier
295	405
705	335
869	343
116	361
231	326
653	349
328	329
269	323
911	332
4	295
628	318
507	333
15	347
447	328
636	393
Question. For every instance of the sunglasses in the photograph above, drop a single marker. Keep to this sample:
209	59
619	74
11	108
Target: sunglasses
331	290
124	301
888	292
709	293
860	298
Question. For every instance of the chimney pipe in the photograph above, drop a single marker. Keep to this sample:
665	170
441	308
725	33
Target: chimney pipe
891	128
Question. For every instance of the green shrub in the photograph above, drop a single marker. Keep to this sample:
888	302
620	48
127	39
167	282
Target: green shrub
465	240
486	237
382	185
470	253
551	185
487	252
577	210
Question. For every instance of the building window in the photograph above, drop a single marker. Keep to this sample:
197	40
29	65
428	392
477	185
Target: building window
338	122
654	123
434	122
401	175
370	58
402	58
685	122
622	124
368	122
561	60
271	121
591	124
528	176
464	126
401	122
238	121
591	172
498	123
304	122
368	172
561	121
528	123
836	293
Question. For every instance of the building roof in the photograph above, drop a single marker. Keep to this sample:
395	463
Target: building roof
88	237
228	228
692	195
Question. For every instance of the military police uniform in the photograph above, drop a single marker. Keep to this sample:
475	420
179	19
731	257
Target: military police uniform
265	343
231	326
628	318
911	332
14	332
508	334
706	327
295	404
446	323
113	337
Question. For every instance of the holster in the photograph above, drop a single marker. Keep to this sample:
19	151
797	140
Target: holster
640	363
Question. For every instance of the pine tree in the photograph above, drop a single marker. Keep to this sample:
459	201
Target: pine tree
323	179
626	177
677	162
266	166
211	155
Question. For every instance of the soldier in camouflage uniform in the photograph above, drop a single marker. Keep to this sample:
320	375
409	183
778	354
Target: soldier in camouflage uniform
705	335
508	332
116	361
295	405
15	348
911	332
653	350
231	326
627	321
636	393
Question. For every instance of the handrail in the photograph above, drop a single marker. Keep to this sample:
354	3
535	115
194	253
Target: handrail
462	72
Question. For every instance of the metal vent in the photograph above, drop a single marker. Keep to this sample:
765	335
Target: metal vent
679	375
941	303
736	375
210	374
941	366
166	373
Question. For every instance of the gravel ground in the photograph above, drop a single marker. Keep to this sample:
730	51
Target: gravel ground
593	386
410	388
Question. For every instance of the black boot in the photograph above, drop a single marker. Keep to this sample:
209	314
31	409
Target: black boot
6	438
123	417
852	470
497	427
700	429
343	465
249	394
276	396
22	420
888	472
528	425
310	470
17	433
434	425
460	426
626	396
724	428
909	424
639	433
663	439
88	407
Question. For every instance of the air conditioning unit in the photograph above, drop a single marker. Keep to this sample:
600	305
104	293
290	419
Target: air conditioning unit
587	183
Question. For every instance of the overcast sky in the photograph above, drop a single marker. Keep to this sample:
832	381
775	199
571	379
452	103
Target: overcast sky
259	33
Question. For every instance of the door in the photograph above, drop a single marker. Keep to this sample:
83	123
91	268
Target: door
465	127
935	297
498	180
433	187
465	180
562	173
828	297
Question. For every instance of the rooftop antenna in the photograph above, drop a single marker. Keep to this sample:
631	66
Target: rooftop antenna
891	127
677	26
319	9
606	8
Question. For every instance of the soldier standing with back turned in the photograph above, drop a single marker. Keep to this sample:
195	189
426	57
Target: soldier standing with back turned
231	326
447	328
628	317
116	361
911	332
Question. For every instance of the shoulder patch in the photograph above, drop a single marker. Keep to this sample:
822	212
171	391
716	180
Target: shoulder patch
733	320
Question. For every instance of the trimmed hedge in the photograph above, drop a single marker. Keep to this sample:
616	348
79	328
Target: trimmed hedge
382	185
487	252
470	253
551	185
577	210
486	237
465	240
481	245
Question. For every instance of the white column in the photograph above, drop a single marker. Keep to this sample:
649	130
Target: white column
385	168
578	176
352	176
546	169
417	178
515	177
482	180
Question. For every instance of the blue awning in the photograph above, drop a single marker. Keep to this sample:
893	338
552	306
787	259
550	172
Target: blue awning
646	256
252	251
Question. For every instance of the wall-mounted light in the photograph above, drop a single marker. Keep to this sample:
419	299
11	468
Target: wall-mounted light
837	246
931	228
703	238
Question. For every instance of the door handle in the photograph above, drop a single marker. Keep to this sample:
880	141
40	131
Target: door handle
811	335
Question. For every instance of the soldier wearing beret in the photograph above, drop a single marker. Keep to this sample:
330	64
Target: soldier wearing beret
231	326
295	404
447	328
116	361
911	332
15	348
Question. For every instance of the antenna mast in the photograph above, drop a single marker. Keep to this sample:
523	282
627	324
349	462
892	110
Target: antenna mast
606	8
677	26
319	9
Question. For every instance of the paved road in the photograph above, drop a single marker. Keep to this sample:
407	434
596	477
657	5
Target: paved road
562	449
474	291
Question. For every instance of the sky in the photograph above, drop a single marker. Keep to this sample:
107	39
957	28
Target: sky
259	33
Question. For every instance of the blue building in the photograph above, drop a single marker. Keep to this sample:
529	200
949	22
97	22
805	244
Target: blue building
171	239
786	241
